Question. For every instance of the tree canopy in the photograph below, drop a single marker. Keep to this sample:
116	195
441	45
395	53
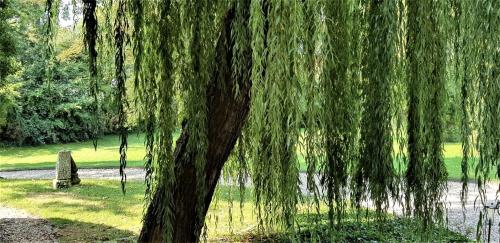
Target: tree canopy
355	88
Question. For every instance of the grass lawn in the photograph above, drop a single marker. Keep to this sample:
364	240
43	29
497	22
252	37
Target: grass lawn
107	156
44	156
96	210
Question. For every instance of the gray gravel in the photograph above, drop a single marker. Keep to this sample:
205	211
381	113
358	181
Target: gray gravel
467	225
18	226
114	174
456	220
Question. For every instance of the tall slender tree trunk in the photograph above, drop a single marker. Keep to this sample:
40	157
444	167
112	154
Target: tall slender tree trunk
226	115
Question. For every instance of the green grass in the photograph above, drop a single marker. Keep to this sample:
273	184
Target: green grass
96	210
452	160
44	156
107	156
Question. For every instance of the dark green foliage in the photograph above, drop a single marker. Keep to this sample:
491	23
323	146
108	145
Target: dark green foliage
375	166
120	96
49	116
340	117
7	45
44	114
90	39
7	51
41	112
426	175
391	230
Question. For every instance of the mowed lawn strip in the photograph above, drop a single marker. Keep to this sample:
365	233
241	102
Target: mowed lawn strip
44	156
107	155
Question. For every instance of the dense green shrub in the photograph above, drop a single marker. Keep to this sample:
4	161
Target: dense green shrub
38	106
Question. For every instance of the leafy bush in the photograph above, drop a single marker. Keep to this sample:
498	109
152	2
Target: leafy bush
38	104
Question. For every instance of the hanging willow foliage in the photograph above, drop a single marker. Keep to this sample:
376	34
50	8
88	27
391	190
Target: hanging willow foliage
121	25
259	154
50	18
314	31
331	81
487	46
340	109
461	25
241	69
376	164
488	92
196	87
90	41
276	60
426	174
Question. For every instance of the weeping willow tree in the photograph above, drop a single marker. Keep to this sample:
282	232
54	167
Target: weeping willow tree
328	81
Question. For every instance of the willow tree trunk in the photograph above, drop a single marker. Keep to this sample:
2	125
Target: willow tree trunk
226	115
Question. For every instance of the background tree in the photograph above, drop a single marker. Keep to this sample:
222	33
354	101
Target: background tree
34	112
7	51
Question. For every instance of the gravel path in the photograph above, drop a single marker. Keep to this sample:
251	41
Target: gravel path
132	174
456	219
456	214
18	226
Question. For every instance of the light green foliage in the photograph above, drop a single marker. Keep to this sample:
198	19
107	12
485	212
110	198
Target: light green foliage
479	50
8	96
277	31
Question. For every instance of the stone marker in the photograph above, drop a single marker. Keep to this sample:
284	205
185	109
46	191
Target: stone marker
66	171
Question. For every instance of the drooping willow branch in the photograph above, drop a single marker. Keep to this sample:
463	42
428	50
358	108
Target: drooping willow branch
339	117
90	40
426	173
376	162
121	26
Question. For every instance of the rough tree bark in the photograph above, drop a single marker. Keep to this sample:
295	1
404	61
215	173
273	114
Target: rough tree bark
226	115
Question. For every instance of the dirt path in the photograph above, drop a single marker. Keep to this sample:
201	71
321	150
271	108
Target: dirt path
18	226
455	214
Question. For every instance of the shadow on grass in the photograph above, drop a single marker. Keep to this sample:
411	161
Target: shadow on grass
77	231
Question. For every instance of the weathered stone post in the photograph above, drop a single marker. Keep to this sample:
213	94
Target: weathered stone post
63	170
